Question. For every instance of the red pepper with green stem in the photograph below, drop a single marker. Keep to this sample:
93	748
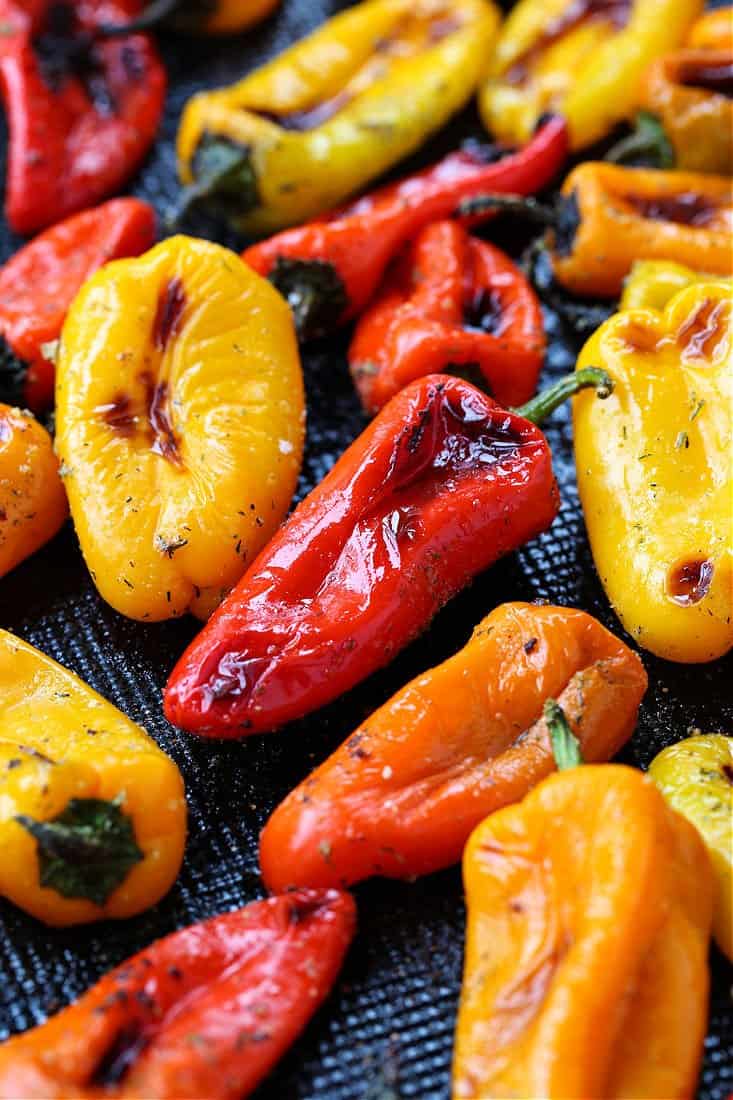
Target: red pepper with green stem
329	268
452	303
82	112
442	483
39	283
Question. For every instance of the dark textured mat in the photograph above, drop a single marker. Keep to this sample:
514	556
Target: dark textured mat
387	1030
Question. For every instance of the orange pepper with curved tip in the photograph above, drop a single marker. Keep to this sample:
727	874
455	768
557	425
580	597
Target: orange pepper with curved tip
32	499
402	794
585	974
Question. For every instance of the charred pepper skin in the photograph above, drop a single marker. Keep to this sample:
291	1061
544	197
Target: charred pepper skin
453	303
39	283
330	268
197	16
207	1011
402	794
82	113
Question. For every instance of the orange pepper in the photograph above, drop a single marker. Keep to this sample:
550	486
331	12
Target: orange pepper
585	975
713	30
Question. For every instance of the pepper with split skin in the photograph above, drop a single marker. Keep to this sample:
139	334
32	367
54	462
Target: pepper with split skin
651	283
586	963
39	283
92	813
207	1011
401	796
654	472
330	268
305	131
82	111
582	58
452	303
32	499
441	484
180	424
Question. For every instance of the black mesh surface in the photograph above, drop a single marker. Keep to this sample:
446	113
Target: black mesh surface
387	1030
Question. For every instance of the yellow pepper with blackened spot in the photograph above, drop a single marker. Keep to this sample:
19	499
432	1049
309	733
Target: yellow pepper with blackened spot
696	778
180	423
651	283
92	812
583	59
305	131
655	473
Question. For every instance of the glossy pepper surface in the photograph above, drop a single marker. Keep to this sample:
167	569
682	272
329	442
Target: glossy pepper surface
308	129
713	30
180	422
451	302
39	283
585	972
92	813
401	796
654	472
329	268
696	778
651	283
612	216
582	58
82	112
207	1011
32	499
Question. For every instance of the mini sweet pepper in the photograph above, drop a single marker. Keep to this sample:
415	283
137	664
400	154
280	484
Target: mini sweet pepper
651	283
196	16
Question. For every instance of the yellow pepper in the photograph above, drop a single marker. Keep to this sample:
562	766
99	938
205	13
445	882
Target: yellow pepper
180	422
654	472
300	134
651	283
92	813
696	778
583	59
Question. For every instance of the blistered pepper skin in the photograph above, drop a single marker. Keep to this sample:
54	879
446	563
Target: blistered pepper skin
402	794
654	472
180	422
33	503
589	908
62	745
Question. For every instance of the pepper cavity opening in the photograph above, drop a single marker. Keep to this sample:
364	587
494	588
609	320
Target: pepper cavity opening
575	15
685	208
715	77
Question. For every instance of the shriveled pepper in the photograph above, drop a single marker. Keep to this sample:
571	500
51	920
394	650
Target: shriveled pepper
696	778
207	1011
324	118
654	472
92	813
402	794
713	30
197	16
82	111
582	58
441	484
32	498
651	283
329	269
180	422
39	283
452	303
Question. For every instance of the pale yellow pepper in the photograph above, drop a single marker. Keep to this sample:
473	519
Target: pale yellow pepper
651	283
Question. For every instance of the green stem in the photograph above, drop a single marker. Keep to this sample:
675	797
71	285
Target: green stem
648	142
515	204
565	745
538	408
223	171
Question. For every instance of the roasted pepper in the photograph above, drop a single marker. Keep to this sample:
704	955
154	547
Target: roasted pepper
713	30
329	269
582	58
452	303
92	813
196	16
39	283
585	970
180	425
654	472
82	112
207	1011
651	283
402	794
696	778
440	485
335	110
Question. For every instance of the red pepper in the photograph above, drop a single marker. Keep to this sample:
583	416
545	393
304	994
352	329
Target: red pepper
329	268
82	112
441	484
39	283
451	301
205	1012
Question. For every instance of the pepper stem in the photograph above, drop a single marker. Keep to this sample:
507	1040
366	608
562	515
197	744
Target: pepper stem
539	407
223	170
155	13
565	745
515	204
647	144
